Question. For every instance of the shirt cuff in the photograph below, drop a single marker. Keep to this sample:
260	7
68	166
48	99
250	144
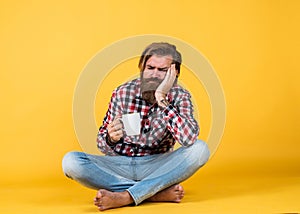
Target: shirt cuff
169	111
111	144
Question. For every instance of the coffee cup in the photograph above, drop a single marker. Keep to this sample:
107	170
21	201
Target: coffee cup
132	123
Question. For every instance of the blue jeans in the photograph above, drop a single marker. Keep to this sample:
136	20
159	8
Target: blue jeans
142	177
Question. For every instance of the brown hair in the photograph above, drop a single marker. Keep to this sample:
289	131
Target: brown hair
160	49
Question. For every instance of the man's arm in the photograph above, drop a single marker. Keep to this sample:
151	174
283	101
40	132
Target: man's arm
180	120
179	116
106	142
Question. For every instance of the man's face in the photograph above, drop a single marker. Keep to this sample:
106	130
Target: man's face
155	71
153	74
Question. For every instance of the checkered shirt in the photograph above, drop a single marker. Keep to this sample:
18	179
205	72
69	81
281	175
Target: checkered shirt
160	127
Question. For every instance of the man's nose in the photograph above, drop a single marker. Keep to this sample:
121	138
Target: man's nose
155	73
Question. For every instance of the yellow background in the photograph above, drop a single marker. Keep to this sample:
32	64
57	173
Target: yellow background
253	46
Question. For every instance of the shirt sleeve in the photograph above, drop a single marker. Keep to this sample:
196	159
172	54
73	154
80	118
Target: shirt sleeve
180	119
114	109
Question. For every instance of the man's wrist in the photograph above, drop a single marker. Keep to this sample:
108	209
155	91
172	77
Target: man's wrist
109	141
161	99
163	102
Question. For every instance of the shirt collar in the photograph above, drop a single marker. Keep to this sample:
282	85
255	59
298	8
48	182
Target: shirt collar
137	90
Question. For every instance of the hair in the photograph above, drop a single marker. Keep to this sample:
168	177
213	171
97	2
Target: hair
160	49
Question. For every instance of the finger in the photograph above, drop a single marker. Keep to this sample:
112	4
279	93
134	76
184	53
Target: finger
117	120
173	72
119	134
116	136
118	127
164	84
96	201
167	76
118	116
112	124
173	67
112	130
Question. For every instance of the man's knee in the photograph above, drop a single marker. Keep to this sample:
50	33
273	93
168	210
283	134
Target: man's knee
200	152
70	163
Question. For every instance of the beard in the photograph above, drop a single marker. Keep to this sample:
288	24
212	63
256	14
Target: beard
148	88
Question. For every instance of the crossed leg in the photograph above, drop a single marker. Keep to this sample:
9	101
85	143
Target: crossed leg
107	200
117	191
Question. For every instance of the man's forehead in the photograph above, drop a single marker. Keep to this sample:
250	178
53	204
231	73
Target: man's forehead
159	59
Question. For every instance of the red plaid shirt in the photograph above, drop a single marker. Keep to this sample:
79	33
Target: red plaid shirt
160	127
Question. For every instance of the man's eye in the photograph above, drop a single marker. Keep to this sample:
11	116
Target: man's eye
163	70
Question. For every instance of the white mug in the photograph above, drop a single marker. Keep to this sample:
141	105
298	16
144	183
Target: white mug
132	123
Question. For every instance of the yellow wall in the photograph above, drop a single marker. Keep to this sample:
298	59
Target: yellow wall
253	46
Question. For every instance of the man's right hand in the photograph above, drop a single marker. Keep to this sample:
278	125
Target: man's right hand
115	130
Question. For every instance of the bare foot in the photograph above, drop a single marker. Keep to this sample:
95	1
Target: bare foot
106	200
172	194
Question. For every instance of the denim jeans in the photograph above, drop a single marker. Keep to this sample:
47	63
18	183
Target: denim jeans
142	177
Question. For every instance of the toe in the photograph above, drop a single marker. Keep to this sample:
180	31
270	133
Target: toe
96	202
100	208
97	199
99	194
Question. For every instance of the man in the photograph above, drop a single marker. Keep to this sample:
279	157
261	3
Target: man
144	167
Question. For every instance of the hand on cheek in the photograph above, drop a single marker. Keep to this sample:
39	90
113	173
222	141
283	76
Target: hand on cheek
166	85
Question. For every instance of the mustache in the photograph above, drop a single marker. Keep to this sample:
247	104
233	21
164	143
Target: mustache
150	84
152	79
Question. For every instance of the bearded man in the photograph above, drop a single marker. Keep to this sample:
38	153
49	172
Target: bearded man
144	166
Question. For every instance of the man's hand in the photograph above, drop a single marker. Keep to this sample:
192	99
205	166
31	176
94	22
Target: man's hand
115	130
165	86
